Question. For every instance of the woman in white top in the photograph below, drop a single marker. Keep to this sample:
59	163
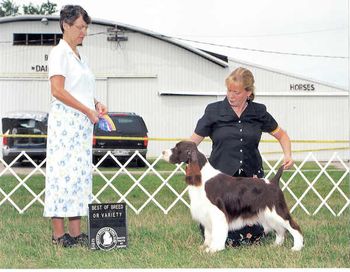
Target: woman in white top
73	112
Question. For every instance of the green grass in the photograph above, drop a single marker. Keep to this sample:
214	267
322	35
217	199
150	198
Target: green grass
157	240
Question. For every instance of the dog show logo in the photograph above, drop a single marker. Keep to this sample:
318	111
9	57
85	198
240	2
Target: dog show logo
106	238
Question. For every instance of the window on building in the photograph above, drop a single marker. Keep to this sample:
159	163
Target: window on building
36	38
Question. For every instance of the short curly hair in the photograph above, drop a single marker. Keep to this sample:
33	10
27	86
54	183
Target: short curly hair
69	13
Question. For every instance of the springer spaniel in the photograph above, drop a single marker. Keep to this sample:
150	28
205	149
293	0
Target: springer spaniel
221	202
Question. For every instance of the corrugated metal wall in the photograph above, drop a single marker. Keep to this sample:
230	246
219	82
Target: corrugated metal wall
24	95
143	66
130	74
165	116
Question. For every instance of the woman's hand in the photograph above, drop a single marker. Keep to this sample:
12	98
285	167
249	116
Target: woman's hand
287	163
93	116
101	109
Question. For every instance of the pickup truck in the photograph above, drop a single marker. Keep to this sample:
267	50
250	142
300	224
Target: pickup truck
127	124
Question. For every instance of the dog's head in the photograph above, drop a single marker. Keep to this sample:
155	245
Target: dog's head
187	152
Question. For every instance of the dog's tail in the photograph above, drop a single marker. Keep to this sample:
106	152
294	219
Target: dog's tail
277	177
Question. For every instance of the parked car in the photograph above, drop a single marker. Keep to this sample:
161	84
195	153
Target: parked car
127	125
24	123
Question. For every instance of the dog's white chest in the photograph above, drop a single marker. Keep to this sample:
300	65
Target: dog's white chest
200	204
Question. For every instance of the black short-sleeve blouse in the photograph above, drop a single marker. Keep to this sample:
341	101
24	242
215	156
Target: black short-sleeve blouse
236	139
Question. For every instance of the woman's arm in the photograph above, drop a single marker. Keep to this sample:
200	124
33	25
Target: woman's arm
196	138
58	91
285	143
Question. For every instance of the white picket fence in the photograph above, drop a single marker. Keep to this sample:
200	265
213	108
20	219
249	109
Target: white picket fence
325	170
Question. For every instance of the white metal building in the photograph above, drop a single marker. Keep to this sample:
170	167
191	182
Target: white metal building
167	82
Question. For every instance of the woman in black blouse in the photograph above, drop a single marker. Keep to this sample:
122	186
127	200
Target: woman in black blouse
235	126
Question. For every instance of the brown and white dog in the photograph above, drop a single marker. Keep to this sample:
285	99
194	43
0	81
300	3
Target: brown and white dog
222	203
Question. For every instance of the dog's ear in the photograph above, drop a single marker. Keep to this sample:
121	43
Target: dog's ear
193	173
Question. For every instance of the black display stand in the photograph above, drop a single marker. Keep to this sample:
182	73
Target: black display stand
107	226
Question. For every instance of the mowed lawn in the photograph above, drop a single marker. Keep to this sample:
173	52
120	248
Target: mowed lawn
158	240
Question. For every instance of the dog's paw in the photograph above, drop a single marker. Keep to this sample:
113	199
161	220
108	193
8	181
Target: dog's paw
214	249
298	244
203	247
279	240
207	250
297	248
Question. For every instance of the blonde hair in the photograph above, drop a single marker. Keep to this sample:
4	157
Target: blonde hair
243	76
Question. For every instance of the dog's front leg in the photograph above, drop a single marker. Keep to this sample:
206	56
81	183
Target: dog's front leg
207	238
219	231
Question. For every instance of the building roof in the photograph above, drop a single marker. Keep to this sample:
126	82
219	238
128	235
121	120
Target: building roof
219	60
285	73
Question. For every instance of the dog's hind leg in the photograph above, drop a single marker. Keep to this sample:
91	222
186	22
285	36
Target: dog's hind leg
271	224
262	221
279	224
292	227
280	233
295	231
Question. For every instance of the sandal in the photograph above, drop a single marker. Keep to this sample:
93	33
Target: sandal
65	240
82	239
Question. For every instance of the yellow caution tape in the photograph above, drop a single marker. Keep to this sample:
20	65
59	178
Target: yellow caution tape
312	141
168	139
22	136
308	150
206	140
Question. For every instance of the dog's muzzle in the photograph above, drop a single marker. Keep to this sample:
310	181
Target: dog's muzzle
166	155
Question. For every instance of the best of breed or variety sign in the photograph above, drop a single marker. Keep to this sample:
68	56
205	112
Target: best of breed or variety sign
107	226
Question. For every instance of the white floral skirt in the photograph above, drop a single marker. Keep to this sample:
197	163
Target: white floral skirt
68	188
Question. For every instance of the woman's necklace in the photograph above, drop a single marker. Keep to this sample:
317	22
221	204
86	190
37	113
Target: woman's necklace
239	111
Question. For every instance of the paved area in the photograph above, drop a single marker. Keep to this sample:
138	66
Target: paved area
25	168
20	169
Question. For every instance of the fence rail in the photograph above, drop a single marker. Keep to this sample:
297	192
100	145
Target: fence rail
326	187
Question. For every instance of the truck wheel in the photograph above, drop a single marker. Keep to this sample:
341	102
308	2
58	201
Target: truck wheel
140	162
95	159
7	159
